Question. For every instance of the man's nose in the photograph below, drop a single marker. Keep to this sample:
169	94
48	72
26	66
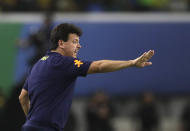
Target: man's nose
79	46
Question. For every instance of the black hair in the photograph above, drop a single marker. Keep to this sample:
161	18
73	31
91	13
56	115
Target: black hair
61	32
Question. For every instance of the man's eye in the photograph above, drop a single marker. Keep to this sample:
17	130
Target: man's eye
75	42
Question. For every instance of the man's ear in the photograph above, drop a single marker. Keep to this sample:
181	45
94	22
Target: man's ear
61	43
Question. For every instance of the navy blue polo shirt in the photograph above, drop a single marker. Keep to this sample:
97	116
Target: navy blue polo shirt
50	86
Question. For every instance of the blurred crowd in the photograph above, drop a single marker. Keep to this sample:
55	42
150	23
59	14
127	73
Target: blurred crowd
99	112
93	5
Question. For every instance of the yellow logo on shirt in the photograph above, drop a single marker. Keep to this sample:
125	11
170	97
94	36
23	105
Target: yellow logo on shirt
44	58
78	63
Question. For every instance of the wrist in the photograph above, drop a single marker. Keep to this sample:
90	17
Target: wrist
133	63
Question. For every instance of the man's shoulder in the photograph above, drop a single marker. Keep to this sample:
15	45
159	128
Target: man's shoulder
57	60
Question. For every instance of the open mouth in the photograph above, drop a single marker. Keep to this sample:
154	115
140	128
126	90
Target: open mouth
75	53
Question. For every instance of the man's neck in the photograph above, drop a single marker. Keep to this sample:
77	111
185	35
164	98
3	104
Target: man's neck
58	50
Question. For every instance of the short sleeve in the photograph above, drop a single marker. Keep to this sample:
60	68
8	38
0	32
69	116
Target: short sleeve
26	85
80	68
75	67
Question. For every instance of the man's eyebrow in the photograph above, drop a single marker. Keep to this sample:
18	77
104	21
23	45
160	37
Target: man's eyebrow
76	39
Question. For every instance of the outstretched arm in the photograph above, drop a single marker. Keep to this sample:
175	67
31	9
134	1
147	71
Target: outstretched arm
103	66
24	101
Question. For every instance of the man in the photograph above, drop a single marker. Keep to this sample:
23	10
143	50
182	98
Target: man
147	113
99	113
47	93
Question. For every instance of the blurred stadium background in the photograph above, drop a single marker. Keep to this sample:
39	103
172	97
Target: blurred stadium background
155	98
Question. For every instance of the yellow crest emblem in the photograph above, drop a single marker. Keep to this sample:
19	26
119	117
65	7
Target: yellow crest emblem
78	63
44	58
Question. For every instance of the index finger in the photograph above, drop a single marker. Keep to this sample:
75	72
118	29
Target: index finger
150	53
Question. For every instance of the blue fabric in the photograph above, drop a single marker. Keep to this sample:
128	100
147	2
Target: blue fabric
36	126
31	128
50	86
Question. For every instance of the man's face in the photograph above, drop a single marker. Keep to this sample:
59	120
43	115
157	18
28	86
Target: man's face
72	46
